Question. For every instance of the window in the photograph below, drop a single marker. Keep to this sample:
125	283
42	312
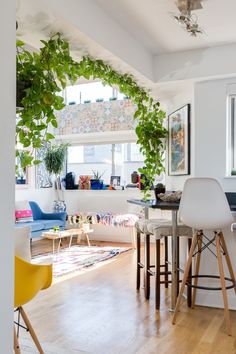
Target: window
232	135
110	159
91	91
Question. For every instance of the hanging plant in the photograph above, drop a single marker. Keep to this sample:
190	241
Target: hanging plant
47	74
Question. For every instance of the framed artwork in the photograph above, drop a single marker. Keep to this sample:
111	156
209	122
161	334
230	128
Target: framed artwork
179	142
115	181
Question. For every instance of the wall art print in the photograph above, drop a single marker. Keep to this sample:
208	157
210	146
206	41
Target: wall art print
179	141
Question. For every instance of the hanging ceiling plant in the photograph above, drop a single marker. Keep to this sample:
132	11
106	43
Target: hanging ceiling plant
47	73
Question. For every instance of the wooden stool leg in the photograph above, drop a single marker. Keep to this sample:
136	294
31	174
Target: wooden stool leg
157	275
138	268
189	280
224	293
16	343
177	262
166	263
227	258
197	267
186	273
31	330
147	267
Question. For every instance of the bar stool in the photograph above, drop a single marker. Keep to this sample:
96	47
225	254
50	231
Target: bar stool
158	228
204	206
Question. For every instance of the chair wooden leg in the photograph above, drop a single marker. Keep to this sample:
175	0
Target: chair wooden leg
138	243
197	267
224	293
157	275
166	263
185	277
227	258
177	262
189	280
31	330
147	267
16	343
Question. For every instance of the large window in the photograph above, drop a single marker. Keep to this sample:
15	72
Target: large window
232	136
110	159
91	91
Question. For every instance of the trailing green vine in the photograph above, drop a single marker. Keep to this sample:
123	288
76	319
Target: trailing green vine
47	73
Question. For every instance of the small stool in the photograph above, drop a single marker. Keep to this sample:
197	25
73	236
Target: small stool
159	229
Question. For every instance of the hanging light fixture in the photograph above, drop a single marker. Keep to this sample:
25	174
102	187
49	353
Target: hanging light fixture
186	18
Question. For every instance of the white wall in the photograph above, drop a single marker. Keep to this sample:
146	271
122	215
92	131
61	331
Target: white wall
208	158
210	131
171	105
7	175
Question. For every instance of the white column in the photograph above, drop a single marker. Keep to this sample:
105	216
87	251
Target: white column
7	173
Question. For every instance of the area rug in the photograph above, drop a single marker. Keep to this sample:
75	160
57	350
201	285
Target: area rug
77	259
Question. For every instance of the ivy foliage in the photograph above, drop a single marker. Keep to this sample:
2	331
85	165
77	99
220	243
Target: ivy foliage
48	72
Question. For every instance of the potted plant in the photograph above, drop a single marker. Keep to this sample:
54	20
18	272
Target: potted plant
87	101
99	100
159	188
112	98
54	162
84	222
21	167
96	181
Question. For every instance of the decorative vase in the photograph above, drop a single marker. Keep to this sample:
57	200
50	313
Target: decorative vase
159	188
59	206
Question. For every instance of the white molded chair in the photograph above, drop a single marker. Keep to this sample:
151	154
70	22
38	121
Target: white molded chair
204	206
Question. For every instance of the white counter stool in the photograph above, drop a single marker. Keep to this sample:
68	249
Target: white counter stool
204	206
158	228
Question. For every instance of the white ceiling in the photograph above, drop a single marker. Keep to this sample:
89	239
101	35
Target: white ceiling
150	22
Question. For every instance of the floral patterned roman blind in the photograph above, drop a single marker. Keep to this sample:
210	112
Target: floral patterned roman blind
96	117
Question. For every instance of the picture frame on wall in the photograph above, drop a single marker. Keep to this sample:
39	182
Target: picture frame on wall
179	142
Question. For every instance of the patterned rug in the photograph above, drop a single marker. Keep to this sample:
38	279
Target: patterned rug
78	259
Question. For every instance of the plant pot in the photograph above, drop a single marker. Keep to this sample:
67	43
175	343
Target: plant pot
59	206
158	190
20	181
99	100
86	227
112	98
96	184
87	101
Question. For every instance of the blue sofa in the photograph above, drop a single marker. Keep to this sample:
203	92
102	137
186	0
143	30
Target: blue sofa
43	221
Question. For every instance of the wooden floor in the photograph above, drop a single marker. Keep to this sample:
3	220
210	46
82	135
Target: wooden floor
100	312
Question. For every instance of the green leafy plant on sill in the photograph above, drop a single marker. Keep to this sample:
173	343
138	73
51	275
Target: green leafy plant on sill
97	175
49	71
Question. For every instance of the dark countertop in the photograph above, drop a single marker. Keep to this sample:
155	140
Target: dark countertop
153	203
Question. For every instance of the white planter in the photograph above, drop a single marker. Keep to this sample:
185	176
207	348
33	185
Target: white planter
86	227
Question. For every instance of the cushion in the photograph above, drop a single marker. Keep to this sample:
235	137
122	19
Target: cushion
34	225
49	224
23	212
22	242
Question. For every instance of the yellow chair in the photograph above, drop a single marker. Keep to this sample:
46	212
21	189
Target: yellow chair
29	280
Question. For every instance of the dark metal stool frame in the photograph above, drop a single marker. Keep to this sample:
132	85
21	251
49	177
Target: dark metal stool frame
148	272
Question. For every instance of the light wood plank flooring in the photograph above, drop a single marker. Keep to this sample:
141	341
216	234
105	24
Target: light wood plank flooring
100	312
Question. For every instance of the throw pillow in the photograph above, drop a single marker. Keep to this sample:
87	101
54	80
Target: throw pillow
23	212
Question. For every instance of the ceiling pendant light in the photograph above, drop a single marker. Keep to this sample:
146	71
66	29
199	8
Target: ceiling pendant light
186	18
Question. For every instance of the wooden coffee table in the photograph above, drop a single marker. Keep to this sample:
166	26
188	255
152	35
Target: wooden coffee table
58	235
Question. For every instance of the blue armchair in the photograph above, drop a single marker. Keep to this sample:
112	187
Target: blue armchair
44	221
